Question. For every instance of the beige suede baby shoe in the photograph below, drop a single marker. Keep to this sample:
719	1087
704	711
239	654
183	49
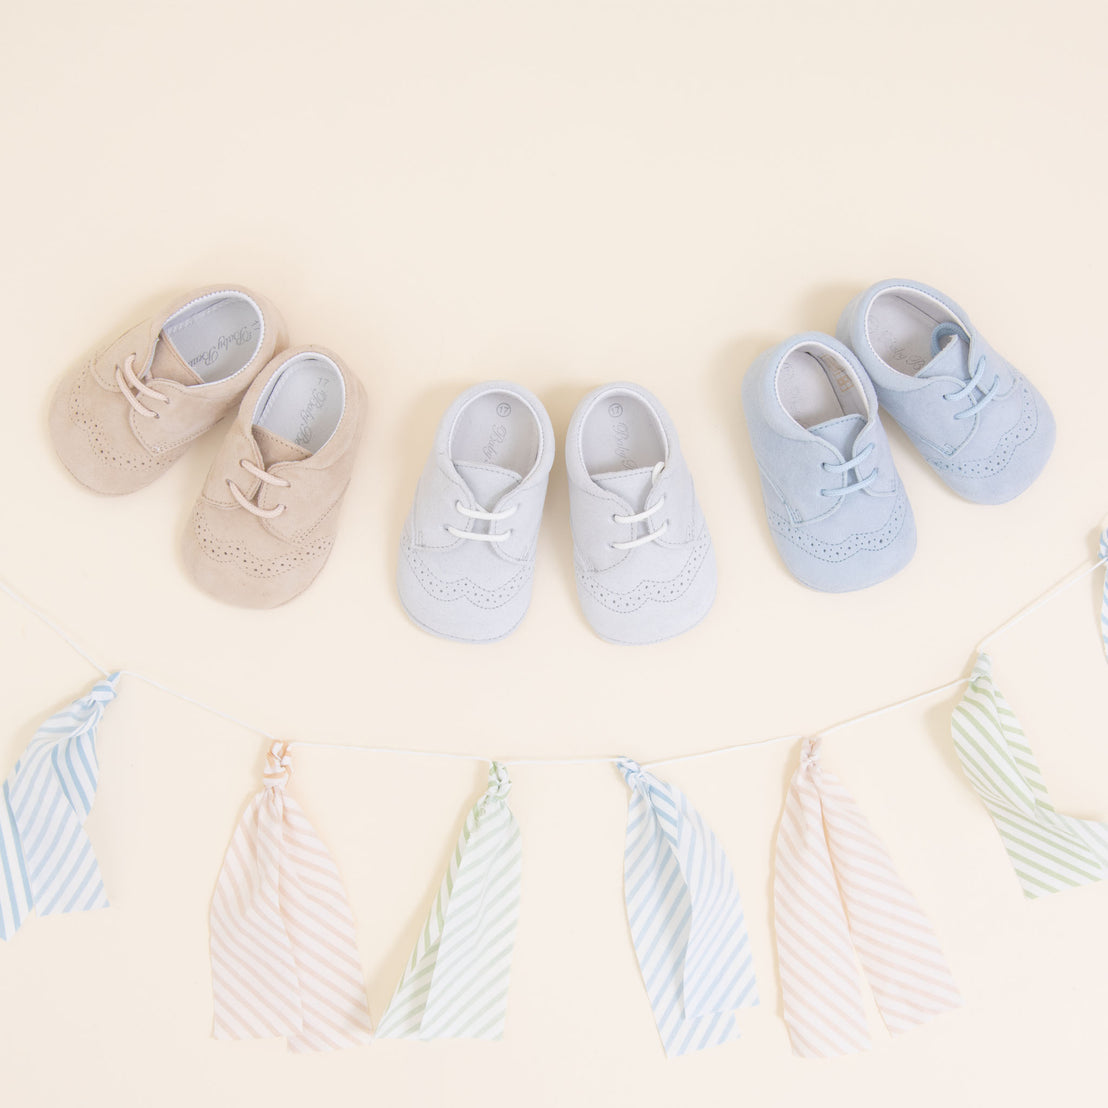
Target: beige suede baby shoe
266	519
124	416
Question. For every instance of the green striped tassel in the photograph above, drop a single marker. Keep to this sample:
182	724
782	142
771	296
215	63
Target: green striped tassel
1049	851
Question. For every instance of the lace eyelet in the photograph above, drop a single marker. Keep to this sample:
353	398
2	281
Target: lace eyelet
823	466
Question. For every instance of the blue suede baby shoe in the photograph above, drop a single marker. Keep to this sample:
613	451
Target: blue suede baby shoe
644	562
835	504
467	553
979	423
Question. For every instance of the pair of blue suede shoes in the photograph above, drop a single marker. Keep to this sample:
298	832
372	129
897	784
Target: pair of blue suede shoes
835	503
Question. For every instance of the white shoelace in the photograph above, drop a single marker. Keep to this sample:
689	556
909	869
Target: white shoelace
650	536
480	513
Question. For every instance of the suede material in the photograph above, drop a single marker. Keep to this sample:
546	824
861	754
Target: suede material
273	448
654	591
855	555
112	449
993	456
790	456
254	562
441	485
438	488
830	543
466	589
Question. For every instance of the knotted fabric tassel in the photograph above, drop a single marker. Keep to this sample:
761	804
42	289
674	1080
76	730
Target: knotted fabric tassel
1049	851
1103	553
685	916
284	957
455	985
46	859
835	888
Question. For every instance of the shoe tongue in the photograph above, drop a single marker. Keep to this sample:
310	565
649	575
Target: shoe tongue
488	483
275	449
952	360
840	432
170	366
632	485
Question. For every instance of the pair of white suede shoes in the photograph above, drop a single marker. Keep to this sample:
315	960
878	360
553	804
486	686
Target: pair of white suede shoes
643	557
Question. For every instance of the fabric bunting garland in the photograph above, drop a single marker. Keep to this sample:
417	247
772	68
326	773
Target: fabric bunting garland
455	985
685	916
1049	851
284	957
46	859
834	885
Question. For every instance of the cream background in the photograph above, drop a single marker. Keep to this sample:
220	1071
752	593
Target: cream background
564	194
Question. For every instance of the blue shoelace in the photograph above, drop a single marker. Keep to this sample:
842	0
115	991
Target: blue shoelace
943	331
846	467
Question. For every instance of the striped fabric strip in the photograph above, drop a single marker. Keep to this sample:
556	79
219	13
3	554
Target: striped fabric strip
284	958
455	985
1049	851
46	859
1104	600
685	916
835	894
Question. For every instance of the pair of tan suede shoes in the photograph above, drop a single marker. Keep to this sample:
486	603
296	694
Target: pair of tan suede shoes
265	521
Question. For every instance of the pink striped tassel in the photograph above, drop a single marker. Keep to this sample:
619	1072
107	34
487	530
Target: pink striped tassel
284	958
835	893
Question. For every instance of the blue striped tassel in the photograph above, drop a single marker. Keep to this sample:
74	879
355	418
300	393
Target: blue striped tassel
685	916
46	860
1104	601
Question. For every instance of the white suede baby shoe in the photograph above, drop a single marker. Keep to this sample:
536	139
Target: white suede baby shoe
467	552
645	566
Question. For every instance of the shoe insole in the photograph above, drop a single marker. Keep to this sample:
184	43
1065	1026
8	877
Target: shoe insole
216	336
497	428
304	402
815	386
900	325
621	432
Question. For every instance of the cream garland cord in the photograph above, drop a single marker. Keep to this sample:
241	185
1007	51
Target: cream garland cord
1078	574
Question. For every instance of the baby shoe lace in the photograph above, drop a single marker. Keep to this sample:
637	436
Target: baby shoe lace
943	331
480	513
639	517
266	478
126	379
846	467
